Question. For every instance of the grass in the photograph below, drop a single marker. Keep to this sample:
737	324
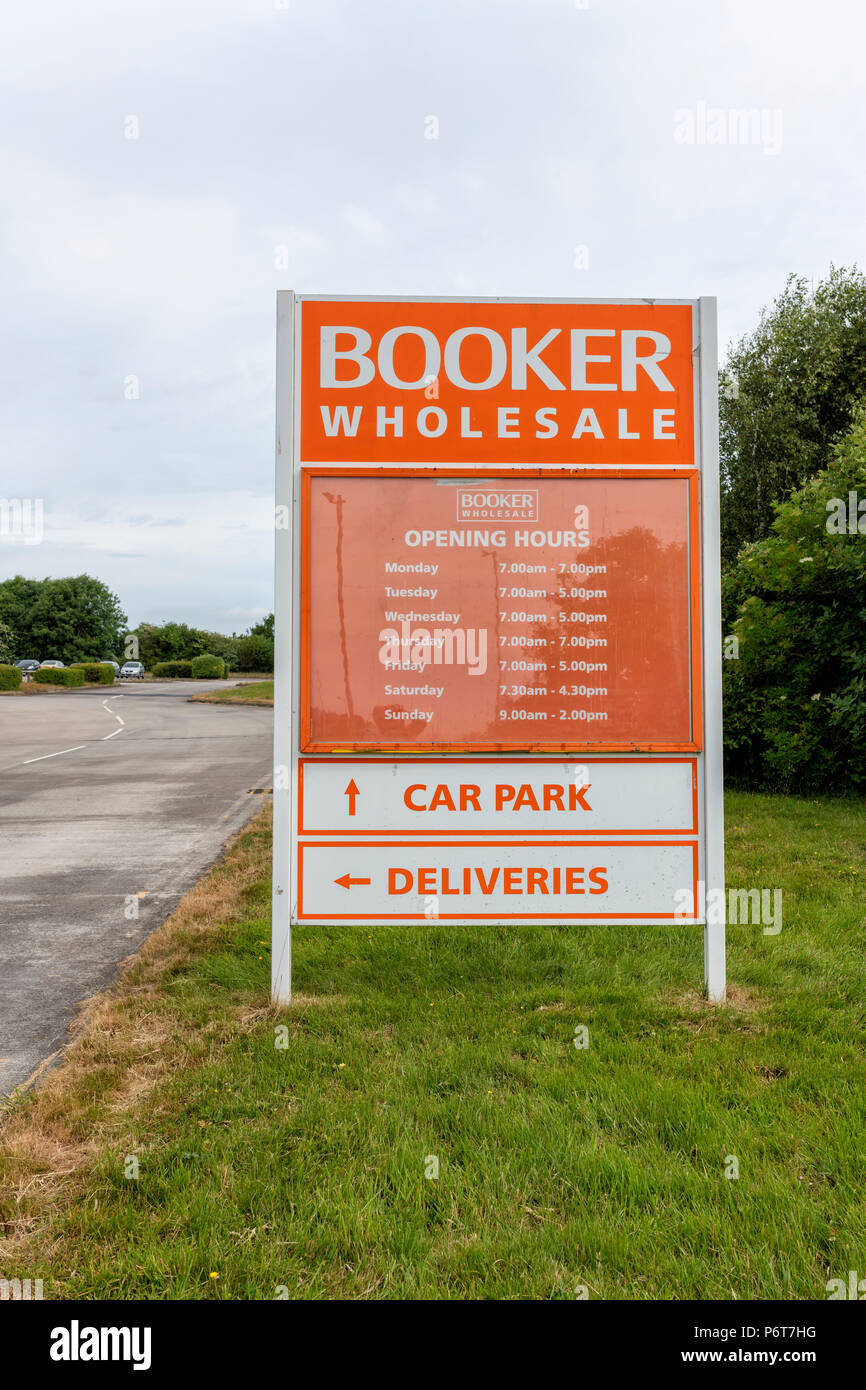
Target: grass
255	693
302	1168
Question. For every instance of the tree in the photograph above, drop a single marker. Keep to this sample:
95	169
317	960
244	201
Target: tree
68	619
219	645
256	648
179	642
795	699
787	394
169	642
255	653
17	598
7	644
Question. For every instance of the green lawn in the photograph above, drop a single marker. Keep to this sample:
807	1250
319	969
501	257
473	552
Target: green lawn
303	1169
256	693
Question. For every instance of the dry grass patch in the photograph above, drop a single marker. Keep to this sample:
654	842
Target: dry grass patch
740	1000
126	1040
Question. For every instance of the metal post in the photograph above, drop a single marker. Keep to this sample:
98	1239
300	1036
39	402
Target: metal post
714	930
281	887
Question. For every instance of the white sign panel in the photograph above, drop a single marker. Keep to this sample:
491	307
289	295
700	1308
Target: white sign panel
523	796
495	881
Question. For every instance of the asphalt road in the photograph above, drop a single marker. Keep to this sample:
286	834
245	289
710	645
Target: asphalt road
108	799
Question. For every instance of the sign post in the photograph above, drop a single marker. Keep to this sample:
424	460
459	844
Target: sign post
284	591
498	646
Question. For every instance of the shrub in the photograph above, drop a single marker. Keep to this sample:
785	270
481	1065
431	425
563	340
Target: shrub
63	675
255	653
207	667
10	677
173	670
795	700
100	671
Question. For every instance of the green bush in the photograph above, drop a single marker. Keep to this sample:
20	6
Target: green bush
99	671
63	675
10	677
255	653
795	699
207	667
173	670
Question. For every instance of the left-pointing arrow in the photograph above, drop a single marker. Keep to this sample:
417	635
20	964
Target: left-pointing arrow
346	881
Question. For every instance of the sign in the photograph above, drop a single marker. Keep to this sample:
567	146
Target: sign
589	880
497	615
523	797
409	381
427	631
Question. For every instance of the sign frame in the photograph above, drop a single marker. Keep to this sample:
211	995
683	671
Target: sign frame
287	609
557	471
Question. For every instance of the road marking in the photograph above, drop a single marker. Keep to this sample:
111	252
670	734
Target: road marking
111	711
113	734
57	754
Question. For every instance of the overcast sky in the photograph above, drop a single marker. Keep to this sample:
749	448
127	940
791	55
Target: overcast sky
300	130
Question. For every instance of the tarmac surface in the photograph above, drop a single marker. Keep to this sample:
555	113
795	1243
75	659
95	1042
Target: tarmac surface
113	802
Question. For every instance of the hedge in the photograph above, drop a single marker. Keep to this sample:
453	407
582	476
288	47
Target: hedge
207	667
100	671
173	670
10	677
59	675
256	653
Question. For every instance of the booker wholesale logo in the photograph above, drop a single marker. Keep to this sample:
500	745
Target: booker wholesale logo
432	382
485	504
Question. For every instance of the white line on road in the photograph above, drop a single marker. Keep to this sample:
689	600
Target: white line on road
57	754
78	746
111	711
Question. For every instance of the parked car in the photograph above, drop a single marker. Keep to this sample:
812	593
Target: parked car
27	664
132	670
109	662
55	665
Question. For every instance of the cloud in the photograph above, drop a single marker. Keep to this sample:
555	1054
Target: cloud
363	222
288	148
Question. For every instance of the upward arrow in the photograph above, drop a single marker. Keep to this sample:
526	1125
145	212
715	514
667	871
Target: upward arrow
352	793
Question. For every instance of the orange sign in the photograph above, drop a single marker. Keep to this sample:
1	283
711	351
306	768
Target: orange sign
511	383
449	611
